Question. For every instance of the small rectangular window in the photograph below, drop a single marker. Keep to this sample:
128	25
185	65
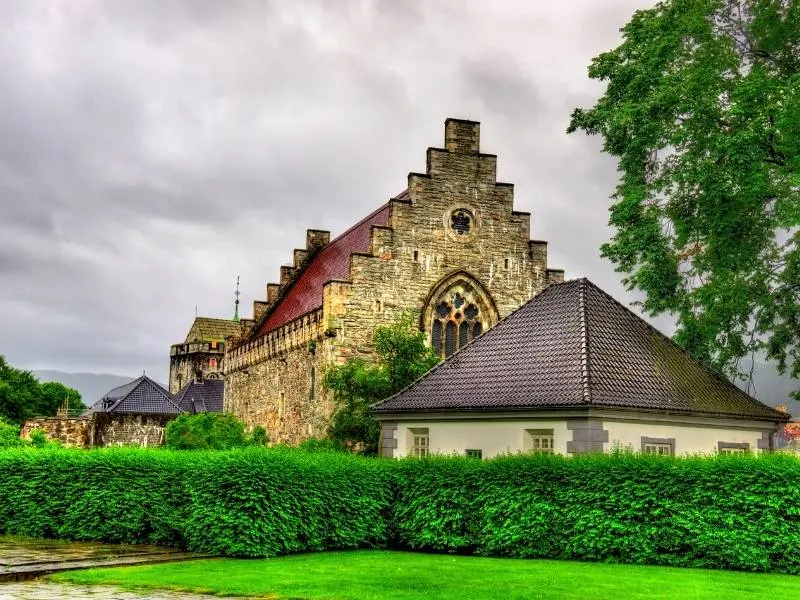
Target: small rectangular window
660	449
416	256
733	447
420	442
658	446
540	441
474	454
281	405
733	451
505	264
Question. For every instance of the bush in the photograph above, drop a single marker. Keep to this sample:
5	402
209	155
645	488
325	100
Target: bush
249	502
714	512
211	431
9	435
724	512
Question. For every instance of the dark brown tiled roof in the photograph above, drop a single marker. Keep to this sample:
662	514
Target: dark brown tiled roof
573	345
142	395
201	396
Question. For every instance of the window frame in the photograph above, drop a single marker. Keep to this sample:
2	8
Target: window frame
476	453
419	434
659	442
733	448
535	437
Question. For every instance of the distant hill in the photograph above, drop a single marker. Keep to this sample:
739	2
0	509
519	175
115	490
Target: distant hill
92	386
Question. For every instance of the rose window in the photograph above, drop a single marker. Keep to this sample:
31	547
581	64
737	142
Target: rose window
461	222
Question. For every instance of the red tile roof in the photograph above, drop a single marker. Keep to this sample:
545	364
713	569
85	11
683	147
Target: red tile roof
332	262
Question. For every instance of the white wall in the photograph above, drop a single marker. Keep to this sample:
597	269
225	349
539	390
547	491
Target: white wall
688	440
495	437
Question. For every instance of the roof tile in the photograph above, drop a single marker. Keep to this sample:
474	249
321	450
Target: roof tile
574	345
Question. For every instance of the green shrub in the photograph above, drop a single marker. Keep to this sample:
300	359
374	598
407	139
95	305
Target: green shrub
724	512
732	512
323	445
9	435
211	431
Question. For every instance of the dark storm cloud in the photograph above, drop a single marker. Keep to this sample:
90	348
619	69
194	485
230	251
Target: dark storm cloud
150	151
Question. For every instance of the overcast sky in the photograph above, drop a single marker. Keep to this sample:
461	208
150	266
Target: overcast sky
150	151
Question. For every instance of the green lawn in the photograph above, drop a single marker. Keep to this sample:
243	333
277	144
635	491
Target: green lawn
385	575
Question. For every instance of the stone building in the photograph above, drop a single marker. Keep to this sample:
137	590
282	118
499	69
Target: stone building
202	353
450	247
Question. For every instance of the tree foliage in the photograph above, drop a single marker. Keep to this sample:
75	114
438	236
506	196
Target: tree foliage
402	355
211	431
702	109
22	396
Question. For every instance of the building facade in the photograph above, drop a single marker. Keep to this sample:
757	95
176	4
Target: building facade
450	248
574	371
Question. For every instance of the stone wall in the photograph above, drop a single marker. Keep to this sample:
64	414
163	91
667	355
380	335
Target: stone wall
102	429
129	429
75	433
419	258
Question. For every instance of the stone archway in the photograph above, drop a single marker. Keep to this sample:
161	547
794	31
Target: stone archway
458	309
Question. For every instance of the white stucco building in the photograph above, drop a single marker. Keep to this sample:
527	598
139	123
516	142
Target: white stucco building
573	371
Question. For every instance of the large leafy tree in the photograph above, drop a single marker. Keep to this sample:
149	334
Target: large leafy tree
702	110
401	356
22	396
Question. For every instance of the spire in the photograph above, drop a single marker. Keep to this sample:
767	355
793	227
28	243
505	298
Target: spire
236	303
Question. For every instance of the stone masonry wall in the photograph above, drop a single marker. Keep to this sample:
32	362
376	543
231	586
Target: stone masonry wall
102	429
74	433
268	381
129	429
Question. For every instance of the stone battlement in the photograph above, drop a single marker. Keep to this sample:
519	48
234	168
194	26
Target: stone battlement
292	335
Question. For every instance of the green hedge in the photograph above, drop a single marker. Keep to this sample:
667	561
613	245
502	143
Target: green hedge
251	502
725	512
715	512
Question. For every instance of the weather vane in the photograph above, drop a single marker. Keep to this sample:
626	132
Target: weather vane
236	303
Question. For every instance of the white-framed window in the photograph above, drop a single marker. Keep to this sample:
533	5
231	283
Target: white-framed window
539	441
733	447
474	453
420	442
658	446
660	449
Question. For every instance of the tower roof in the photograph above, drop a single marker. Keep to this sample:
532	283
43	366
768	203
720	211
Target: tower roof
571	346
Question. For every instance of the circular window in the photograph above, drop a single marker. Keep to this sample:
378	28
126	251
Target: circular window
461	221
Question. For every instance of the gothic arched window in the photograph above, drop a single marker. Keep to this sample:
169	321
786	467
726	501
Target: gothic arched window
458	309
460	321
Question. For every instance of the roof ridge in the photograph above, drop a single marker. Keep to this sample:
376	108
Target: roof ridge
716	374
471	342
584	325
358	224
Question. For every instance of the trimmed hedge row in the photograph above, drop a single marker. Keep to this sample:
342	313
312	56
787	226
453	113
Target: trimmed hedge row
252	502
726	512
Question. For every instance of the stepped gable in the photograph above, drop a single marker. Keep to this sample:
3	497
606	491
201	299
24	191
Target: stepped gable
332	262
205	395
571	346
142	395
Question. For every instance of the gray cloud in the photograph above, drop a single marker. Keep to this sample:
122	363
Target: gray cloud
151	150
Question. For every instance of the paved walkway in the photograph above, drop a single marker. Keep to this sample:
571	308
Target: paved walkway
25	558
41	590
